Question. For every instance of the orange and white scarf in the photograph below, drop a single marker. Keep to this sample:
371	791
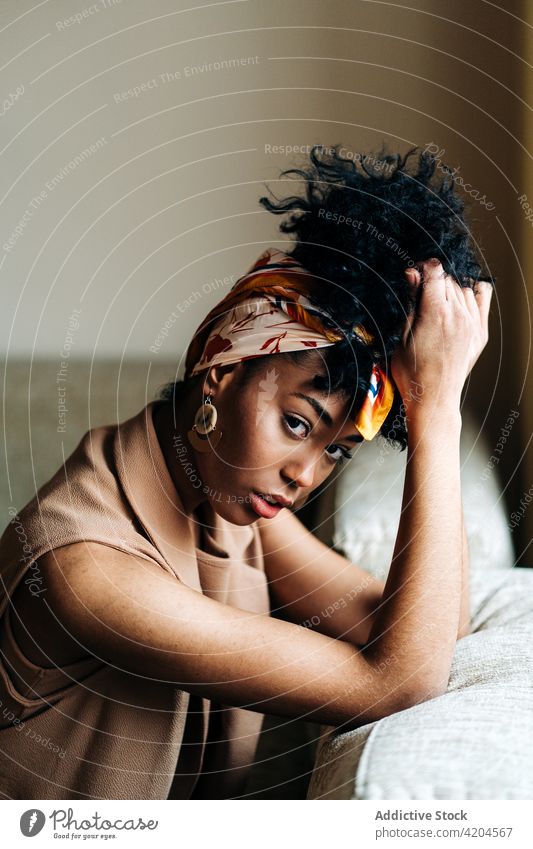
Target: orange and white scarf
268	312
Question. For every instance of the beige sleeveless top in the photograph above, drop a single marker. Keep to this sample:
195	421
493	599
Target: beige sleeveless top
88	729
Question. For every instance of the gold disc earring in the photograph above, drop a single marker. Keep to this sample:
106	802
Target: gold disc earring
204	435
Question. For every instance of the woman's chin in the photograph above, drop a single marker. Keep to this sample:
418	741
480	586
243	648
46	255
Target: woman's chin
236	513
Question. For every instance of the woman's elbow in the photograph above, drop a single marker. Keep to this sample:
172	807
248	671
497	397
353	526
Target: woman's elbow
394	700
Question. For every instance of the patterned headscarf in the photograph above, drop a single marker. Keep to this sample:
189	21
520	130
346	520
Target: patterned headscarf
267	312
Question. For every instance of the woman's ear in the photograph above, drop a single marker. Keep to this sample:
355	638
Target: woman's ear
219	377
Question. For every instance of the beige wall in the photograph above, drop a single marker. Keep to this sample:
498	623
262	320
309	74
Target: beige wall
153	224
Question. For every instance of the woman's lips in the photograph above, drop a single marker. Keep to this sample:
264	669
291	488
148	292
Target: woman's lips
262	507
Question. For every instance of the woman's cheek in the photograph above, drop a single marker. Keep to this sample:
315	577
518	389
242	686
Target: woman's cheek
273	435
263	441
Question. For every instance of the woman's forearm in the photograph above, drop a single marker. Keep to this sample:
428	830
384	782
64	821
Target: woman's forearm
464	616
418	618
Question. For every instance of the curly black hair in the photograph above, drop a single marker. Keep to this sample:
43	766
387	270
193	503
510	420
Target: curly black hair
360	222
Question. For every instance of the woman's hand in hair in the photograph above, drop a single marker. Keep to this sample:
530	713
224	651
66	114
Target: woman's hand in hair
478	301
442	339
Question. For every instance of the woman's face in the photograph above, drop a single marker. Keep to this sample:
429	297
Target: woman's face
281	437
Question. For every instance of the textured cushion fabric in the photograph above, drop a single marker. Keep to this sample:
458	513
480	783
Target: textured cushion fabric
476	740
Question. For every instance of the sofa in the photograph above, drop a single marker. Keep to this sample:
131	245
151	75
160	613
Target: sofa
476	740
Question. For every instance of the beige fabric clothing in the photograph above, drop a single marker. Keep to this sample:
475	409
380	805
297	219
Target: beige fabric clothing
92	730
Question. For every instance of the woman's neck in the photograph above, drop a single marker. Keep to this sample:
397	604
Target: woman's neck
178	454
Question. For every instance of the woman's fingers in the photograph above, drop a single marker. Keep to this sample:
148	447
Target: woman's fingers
452	293
483	294
470	301
445	332
477	301
413	275
462	300
429	285
414	279
434	286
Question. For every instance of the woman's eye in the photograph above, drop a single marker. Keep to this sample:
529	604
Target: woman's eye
297	426
338	454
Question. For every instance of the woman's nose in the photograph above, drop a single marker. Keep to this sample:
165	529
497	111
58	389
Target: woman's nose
300	471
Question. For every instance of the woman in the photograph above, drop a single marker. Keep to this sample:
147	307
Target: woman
155	589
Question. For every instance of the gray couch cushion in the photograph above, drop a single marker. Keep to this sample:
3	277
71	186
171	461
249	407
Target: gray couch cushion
473	742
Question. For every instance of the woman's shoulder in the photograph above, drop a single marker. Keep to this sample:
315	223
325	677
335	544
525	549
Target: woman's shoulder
87	493
83	568
85	499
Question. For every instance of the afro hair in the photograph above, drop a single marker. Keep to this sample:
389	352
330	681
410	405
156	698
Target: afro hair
359	223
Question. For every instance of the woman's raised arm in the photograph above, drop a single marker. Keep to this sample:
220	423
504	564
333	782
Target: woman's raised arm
419	612
422	595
